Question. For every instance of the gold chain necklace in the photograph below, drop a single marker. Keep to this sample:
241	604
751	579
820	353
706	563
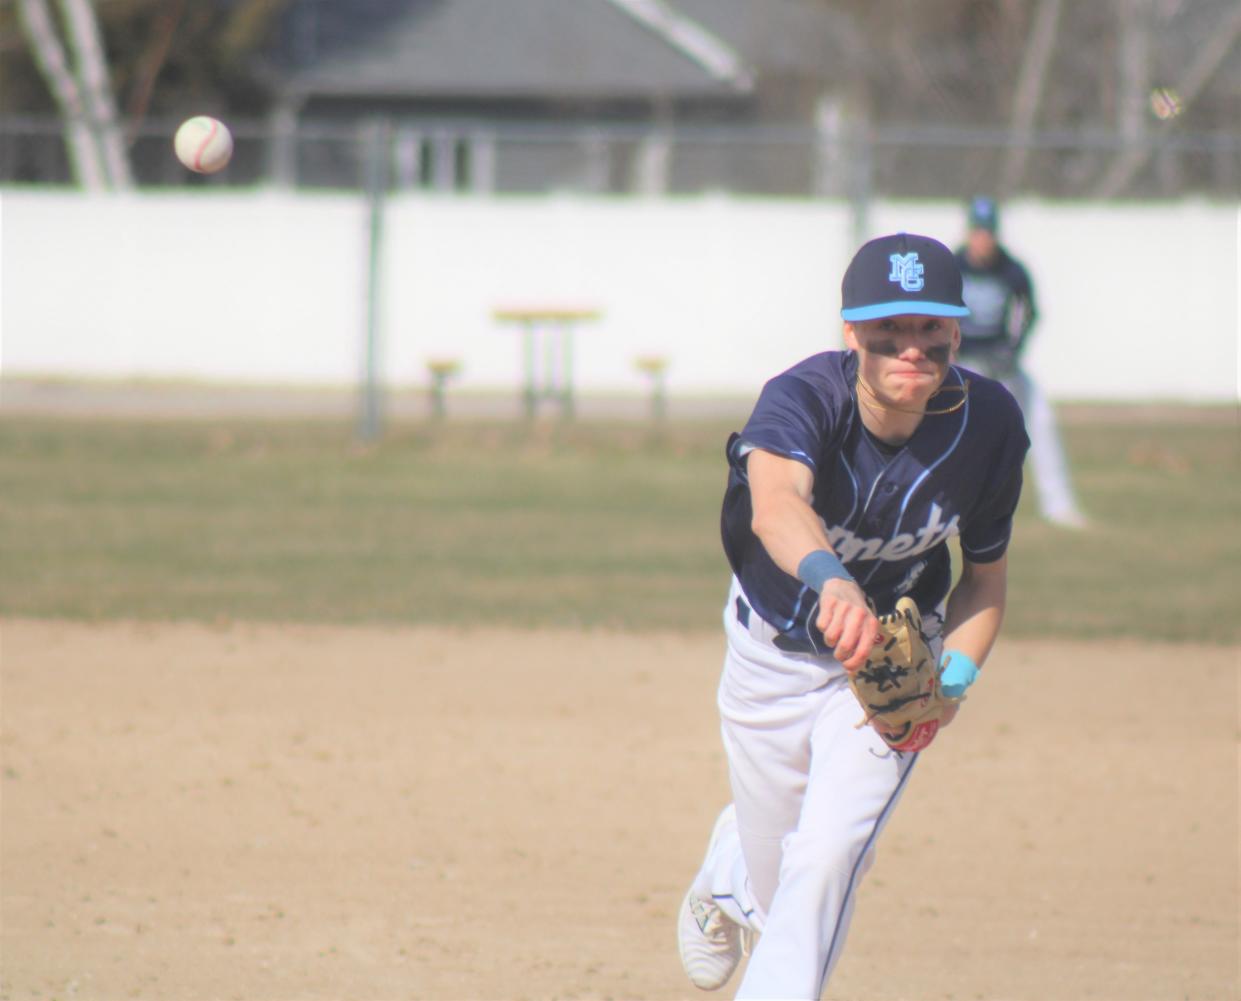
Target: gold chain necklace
877	404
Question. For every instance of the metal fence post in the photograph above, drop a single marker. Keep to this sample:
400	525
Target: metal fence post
376	143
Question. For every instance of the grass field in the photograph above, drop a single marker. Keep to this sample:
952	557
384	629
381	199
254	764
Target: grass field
582	525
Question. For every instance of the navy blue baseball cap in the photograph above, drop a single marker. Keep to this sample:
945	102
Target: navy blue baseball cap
984	214
900	275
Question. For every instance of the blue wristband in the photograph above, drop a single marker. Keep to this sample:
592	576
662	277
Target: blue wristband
957	673
820	566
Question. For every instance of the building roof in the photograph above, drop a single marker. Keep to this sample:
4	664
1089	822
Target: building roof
517	49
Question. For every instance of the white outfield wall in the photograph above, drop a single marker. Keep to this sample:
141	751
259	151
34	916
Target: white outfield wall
1138	301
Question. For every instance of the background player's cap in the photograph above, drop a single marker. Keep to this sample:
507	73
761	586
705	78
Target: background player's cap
900	275
984	214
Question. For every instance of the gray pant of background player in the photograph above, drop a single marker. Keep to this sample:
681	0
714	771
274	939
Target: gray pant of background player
1051	469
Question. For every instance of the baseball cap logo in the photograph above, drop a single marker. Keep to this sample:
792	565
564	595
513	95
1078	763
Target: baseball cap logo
923	269
908	271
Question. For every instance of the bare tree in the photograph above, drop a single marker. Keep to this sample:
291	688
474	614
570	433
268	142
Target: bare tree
80	88
151	61
159	57
84	153
1029	92
86	41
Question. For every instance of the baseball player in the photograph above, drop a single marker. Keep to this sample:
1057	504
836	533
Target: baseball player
845	486
1000	297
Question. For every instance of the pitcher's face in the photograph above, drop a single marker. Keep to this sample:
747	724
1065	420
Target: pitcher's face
904	359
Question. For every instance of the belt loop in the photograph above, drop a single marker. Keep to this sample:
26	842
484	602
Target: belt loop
743	612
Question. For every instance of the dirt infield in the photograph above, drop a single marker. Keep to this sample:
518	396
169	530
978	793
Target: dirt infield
275	813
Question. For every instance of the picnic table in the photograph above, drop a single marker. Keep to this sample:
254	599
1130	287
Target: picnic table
547	350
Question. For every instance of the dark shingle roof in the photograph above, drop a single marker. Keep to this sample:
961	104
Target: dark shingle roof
541	49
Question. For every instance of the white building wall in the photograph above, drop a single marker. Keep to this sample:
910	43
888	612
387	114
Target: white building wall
1138	301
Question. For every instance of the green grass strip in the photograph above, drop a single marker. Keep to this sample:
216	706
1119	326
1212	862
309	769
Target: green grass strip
572	525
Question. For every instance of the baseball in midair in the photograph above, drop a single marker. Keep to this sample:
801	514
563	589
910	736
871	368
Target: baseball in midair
203	144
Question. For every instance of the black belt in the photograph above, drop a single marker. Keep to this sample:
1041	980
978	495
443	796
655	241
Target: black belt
780	641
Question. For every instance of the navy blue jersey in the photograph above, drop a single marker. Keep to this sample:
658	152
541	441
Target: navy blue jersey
1000	296
889	513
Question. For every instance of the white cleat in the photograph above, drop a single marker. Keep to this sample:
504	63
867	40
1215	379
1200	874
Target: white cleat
1073	520
711	945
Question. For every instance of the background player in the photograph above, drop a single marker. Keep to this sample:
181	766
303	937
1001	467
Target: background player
1000	296
845	485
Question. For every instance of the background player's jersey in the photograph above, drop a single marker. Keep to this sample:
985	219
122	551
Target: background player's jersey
1000	298
888	512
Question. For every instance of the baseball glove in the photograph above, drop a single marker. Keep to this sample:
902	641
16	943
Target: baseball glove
898	686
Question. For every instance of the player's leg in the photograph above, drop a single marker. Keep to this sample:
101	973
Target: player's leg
767	741
854	784
713	923
765	724
1051	468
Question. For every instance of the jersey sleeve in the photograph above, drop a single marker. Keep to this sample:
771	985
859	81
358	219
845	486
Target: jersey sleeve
986	533
792	418
986	537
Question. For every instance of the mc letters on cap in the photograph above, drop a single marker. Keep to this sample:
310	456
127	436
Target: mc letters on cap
902	274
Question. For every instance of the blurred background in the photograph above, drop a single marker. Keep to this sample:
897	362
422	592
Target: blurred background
478	235
685	178
795	98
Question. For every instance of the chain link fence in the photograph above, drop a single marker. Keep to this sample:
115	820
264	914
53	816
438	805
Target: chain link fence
479	156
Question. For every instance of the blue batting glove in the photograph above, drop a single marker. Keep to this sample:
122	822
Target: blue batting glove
957	673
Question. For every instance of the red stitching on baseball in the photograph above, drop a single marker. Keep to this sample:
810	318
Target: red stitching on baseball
202	147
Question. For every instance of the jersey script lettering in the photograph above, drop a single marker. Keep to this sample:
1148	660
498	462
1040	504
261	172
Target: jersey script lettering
850	547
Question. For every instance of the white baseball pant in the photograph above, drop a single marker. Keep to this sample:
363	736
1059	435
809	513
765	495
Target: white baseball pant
812	792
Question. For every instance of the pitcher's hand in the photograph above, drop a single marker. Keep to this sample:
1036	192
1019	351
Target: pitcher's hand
848	625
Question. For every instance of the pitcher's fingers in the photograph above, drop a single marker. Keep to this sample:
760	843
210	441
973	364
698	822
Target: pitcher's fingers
831	621
870	635
855	640
852	658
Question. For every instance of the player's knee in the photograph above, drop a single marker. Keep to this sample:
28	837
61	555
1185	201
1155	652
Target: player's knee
823	855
